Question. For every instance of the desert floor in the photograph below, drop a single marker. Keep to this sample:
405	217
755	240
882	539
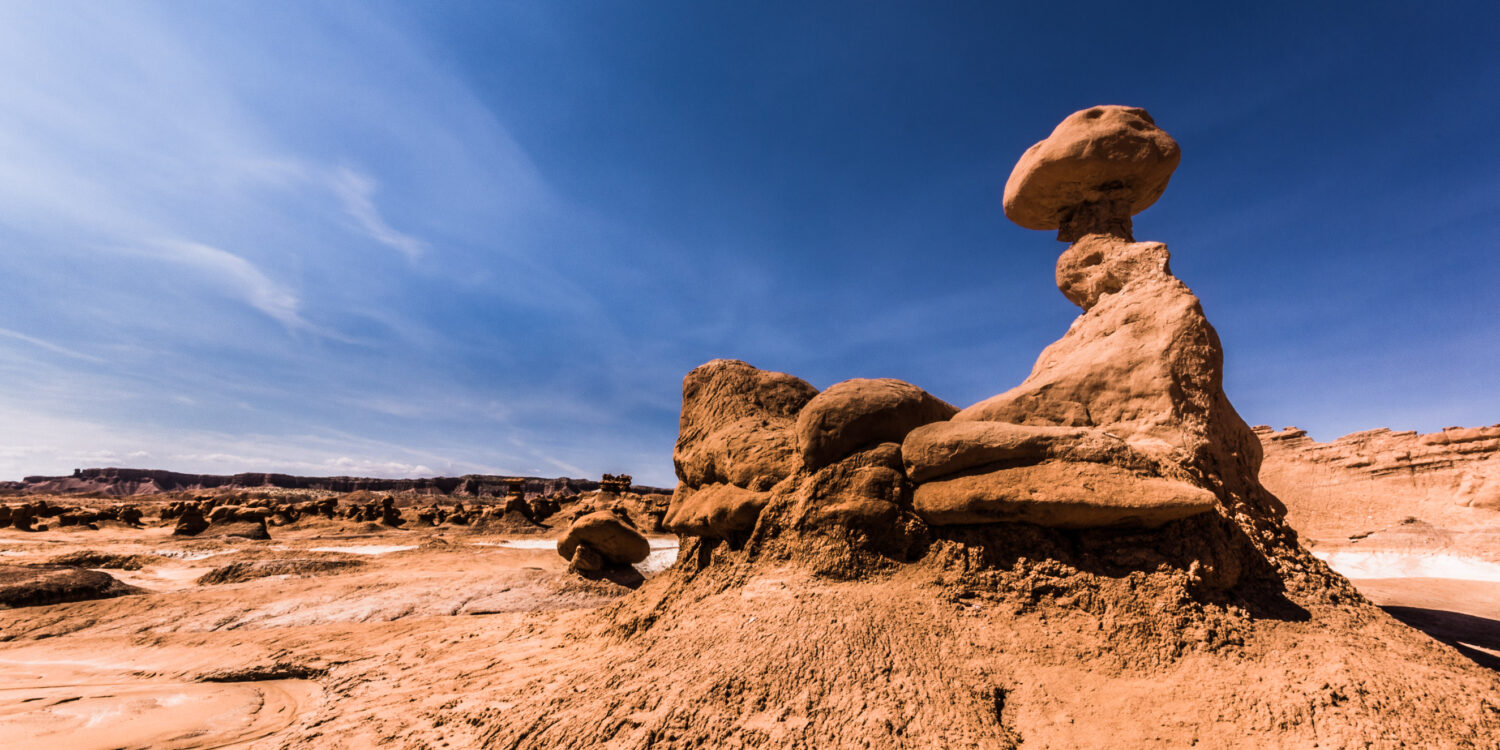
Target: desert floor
328	640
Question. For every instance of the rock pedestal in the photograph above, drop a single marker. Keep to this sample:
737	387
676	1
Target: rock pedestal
1122	424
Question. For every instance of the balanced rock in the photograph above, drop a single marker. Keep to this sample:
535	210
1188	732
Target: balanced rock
606	533
860	413
953	582
1099	167
1129	405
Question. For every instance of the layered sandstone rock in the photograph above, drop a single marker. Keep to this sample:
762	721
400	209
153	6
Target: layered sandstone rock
737	439
1373	479
737	425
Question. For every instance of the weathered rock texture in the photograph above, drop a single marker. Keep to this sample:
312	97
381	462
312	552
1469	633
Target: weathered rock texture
736	440
1099	167
37	585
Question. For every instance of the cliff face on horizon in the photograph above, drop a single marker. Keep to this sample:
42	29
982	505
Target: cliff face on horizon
119	482
1369	480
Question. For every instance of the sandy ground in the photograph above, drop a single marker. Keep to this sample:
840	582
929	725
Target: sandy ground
1464	614
292	660
184	664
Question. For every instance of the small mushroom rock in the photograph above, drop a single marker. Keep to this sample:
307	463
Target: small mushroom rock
860	413
616	541
1099	167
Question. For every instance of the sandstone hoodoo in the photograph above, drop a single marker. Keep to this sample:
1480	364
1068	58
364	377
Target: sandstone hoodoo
602	539
1064	564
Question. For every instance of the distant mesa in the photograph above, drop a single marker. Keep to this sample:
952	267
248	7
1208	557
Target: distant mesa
119	482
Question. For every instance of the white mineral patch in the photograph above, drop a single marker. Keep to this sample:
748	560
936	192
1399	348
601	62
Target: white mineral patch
1380	564
520	544
660	559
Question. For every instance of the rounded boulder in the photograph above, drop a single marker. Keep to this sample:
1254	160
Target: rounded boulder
1101	154
611	536
863	412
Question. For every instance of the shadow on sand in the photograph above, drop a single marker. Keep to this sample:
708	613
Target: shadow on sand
1474	637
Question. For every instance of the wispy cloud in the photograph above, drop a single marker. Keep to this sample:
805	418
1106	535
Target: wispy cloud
172	175
239	278
357	193
49	346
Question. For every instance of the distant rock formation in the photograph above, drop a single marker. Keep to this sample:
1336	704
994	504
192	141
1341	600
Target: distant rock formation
114	481
1376	478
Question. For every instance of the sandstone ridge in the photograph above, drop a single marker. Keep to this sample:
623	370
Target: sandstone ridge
1370	480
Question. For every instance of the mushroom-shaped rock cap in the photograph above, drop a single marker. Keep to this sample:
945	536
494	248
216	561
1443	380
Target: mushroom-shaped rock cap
611	536
1106	154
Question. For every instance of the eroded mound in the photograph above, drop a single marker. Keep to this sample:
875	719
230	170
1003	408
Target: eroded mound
94	559
36	585
248	571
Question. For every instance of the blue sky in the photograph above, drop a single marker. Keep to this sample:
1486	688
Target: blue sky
407	239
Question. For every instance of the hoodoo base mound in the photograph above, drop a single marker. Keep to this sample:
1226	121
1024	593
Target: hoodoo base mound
973	647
